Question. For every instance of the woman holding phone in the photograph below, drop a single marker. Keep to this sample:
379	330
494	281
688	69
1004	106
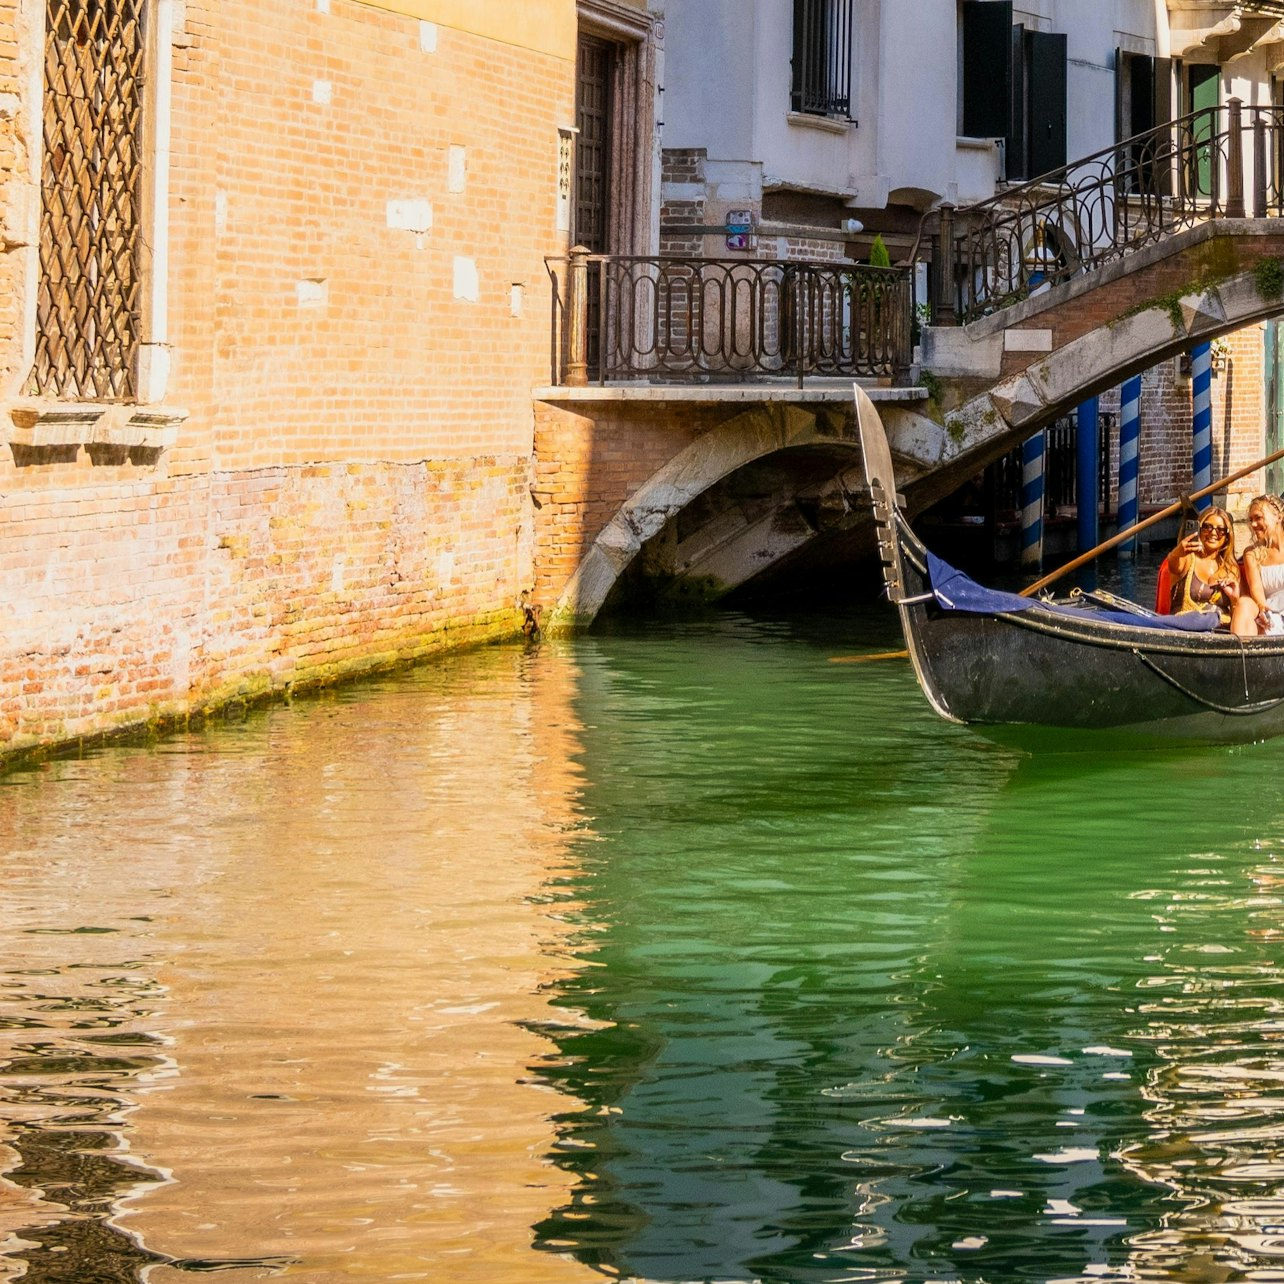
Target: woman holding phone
1204	573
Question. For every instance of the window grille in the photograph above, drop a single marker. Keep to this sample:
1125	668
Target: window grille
823	57
88	296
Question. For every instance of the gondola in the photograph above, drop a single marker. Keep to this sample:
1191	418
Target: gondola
1000	661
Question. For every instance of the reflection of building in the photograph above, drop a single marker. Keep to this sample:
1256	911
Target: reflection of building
300	1024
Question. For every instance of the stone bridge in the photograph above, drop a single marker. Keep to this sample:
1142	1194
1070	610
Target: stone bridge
699	489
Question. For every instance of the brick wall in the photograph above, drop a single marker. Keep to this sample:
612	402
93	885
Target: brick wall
350	485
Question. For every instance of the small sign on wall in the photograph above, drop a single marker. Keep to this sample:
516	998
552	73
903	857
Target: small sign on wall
740	230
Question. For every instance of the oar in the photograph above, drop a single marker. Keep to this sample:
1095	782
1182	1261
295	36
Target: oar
1117	538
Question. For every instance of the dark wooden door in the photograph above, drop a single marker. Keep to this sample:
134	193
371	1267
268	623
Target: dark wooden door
593	97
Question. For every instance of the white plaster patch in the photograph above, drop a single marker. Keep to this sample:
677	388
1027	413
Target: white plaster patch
336	575
516	299
412	215
323	6
312	293
1027	341
427	37
9	104
467	285
322	91
220	213
456	168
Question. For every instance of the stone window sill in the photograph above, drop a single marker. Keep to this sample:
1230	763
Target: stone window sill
826	124
45	431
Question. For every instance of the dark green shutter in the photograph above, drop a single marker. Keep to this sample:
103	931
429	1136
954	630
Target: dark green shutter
1046	120
987	67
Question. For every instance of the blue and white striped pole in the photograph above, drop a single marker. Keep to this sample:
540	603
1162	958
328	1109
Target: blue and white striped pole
1087	488
1129	438
1032	500
1201	394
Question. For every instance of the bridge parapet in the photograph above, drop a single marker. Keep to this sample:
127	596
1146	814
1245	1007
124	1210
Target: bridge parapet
671	320
1104	208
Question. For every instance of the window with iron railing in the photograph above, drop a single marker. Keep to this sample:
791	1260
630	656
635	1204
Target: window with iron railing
822	61
88	293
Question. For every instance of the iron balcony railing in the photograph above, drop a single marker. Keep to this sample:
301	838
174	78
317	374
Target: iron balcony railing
633	317
1104	207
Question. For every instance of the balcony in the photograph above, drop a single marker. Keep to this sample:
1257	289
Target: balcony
637	320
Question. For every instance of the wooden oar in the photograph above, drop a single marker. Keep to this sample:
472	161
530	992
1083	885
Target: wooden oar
1117	538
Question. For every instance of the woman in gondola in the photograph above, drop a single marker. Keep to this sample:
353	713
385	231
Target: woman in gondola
1202	569
1261	606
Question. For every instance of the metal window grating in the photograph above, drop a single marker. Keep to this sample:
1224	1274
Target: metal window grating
822	62
87	303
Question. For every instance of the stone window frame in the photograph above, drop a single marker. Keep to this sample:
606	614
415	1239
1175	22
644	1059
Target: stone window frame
44	429
636	175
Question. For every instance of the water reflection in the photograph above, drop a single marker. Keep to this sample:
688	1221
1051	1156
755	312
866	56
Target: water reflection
666	957
279	985
877	997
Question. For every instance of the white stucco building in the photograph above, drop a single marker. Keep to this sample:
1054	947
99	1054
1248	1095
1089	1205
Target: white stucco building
815	113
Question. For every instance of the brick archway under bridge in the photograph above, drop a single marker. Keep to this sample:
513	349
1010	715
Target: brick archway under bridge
615	466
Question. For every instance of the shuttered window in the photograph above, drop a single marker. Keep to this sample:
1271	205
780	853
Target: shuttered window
1014	87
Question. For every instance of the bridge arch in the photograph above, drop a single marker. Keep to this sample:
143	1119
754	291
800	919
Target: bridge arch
765	430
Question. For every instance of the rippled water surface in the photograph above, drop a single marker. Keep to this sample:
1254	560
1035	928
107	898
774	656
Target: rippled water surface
676	954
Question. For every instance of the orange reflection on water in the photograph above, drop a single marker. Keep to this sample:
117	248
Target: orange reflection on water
350	935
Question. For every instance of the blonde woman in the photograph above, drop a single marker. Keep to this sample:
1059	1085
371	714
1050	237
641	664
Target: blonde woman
1260	609
1202	568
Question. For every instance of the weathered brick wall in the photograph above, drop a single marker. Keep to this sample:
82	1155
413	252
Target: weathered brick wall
681	173
351	483
589	463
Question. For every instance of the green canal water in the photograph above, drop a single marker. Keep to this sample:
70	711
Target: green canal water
667	954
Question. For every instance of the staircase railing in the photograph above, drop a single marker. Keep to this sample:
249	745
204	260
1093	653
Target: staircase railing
665	320
1103	207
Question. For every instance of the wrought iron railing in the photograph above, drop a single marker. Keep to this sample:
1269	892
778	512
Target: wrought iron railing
1104	207
629	317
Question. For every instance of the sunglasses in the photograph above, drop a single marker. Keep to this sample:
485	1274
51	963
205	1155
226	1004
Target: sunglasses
1213	528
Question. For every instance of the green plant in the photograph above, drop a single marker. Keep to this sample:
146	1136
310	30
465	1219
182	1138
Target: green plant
1268	279
878	255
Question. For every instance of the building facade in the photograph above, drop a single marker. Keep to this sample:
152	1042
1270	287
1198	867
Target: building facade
276	294
805	130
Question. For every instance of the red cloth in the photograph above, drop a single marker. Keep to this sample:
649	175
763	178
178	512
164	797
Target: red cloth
1164	590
